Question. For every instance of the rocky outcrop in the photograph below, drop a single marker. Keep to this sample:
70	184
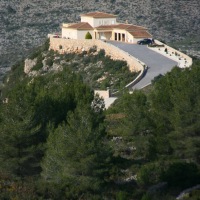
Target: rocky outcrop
29	64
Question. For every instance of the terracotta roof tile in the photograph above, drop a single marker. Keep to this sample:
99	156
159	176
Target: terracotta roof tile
106	27
140	34
81	25
128	27
99	15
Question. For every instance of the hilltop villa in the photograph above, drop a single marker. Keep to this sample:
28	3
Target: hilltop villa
104	26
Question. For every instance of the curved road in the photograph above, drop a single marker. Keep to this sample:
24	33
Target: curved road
157	63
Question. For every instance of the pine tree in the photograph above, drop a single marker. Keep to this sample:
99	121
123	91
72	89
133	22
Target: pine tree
21	150
77	154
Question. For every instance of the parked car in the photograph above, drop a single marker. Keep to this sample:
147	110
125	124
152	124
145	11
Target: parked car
56	36
145	41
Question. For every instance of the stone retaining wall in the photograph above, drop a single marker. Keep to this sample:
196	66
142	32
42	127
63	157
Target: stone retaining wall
103	93
71	45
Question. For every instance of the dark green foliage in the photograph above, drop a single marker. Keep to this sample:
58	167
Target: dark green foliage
25	118
15	75
93	49
135	108
77	154
20	150
39	63
49	62
181	174
149	174
38	50
156	78
121	196
88	35
53	126
163	125
16	189
101	53
175	102
146	197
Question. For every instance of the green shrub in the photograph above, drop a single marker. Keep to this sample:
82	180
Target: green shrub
149	174
146	197
88	35
49	62
121	195
36	52
86	60
39	63
101	54
93	49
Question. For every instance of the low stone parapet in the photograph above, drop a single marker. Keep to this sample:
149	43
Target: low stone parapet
182	59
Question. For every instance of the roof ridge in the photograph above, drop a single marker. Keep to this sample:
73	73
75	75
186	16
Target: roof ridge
97	13
82	23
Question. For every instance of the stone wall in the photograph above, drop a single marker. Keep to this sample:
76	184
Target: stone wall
71	45
103	93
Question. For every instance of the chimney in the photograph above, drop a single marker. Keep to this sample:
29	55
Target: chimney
126	21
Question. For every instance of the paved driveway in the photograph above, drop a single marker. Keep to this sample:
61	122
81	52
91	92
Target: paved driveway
157	63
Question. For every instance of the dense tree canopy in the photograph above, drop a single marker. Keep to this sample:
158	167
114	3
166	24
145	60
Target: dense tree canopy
77	154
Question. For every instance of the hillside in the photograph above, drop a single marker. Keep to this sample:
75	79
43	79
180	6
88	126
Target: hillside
58	143
25	24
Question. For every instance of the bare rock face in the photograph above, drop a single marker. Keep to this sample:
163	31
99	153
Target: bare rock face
29	64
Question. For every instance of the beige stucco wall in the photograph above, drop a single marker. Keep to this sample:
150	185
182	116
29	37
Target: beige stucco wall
94	22
104	21
71	45
105	35
132	39
69	33
102	93
81	33
128	37
90	20
121	31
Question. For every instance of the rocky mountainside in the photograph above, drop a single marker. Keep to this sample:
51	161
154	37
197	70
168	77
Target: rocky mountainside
24	24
